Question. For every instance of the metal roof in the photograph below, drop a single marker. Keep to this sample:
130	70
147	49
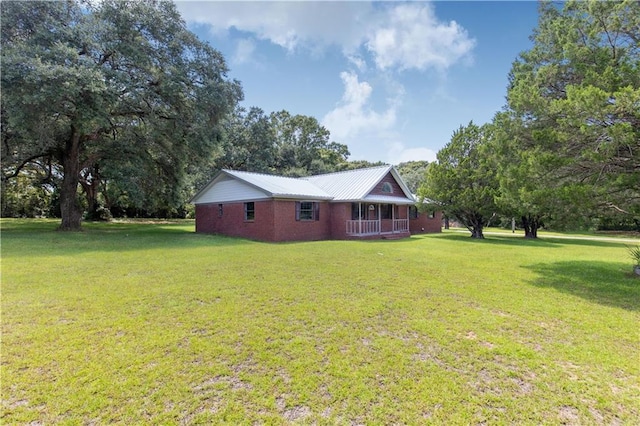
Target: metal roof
354	185
350	185
280	186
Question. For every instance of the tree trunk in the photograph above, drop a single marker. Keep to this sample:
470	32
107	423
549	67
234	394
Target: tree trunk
530	224
90	183
69	206
477	233
475	225
446	222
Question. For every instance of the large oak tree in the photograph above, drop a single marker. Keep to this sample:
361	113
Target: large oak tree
118	87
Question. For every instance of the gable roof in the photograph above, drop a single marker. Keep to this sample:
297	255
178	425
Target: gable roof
354	185
281	186
247	185
350	185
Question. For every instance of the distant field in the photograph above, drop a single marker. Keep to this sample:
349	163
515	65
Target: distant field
150	323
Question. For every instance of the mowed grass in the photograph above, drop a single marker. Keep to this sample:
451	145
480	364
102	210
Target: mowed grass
137	323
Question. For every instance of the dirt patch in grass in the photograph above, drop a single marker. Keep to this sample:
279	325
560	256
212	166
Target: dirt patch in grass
296	413
569	415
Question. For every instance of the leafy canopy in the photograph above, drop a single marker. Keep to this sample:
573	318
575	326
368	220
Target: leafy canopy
119	86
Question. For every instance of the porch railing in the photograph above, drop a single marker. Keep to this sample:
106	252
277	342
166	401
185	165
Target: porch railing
400	225
372	227
363	227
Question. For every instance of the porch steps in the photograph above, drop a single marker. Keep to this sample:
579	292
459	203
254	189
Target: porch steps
393	236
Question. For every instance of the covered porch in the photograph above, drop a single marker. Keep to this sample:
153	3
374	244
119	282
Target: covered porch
371	219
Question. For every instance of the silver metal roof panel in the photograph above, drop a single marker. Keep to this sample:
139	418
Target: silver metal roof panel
350	184
280	186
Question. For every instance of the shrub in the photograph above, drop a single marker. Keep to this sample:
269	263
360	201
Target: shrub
635	254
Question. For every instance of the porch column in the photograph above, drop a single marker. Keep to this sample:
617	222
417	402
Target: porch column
408	220
359	218
393	218
379	220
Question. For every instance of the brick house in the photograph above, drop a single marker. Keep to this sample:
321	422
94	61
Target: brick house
355	204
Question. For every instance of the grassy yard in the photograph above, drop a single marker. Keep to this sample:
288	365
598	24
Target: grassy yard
136	323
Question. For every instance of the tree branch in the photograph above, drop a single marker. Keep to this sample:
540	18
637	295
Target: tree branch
22	166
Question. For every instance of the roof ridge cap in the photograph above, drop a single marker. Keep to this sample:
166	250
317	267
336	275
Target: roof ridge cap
263	174
386	166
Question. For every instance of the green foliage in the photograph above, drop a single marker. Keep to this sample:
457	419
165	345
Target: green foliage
570	138
120	87
22	197
634	252
278	143
303	146
362	164
154	324
413	173
249	142
462	183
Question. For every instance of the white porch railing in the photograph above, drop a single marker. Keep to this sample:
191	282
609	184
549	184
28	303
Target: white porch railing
372	227
363	227
400	225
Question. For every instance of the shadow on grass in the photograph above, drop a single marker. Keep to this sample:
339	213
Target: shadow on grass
31	237
495	240
606	283
551	242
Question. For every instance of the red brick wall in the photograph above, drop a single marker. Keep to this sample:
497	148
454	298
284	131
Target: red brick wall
206	215
423	224
275	221
287	228
232	222
340	213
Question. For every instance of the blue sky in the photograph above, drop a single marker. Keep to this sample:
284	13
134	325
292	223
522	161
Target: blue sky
391	80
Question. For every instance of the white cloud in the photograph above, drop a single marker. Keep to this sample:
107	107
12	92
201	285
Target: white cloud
394	36
376	39
291	25
411	37
353	116
244	51
400	154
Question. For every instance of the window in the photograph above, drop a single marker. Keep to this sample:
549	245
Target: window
386	211
220	210
413	212
432	214
386	187
249	211
307	210
358	209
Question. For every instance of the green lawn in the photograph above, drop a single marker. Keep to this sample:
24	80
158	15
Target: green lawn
136	323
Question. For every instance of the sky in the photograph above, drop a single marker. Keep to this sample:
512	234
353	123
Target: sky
391	80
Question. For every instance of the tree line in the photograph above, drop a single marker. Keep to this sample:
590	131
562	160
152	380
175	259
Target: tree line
116	108
565	150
